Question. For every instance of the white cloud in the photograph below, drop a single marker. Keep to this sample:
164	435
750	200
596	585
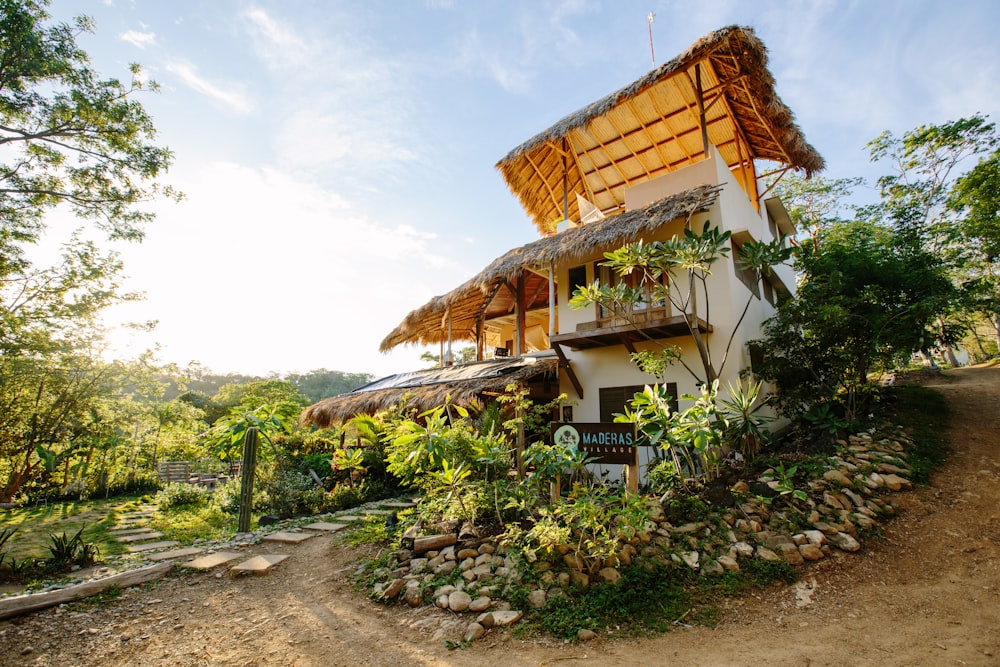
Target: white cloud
232	98
138	39
279	45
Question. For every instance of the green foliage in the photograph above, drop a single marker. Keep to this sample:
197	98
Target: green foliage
676	271
66	550
5	535
692	437
823	417
322	383
763	572
744	424
590	521
664	477
178	494
866	300
648	599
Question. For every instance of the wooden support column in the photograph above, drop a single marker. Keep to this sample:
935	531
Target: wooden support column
519	313
479	339
700	96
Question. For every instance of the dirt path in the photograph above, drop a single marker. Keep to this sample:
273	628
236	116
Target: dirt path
928	594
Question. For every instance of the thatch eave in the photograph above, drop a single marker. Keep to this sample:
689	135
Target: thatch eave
428	324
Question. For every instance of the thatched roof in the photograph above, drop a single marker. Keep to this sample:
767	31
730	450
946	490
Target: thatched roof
652	127
429	323
427	389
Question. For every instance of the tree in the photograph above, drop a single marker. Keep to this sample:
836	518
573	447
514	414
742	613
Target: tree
815	203
977	196
69	137
865	302
677	270
321	383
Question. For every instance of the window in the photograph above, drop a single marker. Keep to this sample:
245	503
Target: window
614	399
747	276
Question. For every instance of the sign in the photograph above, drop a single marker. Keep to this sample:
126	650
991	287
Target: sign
606	442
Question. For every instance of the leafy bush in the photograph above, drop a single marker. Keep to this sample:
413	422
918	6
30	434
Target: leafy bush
178	495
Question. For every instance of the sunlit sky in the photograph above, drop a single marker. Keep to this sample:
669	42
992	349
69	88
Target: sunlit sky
337	157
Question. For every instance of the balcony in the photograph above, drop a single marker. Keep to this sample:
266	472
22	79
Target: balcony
604	333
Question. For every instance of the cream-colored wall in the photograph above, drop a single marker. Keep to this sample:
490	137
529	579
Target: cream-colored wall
727	295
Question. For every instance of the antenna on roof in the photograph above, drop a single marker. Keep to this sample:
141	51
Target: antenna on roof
649	24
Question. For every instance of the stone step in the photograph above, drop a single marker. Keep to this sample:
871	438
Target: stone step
349	518
149	546
208	561
377	512
176	553
287	538
258	564
128	531
324	527
398	504
139	537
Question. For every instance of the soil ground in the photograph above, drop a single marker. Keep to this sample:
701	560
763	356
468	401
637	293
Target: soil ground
926	594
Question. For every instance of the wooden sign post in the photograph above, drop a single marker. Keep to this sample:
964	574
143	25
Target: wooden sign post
611	443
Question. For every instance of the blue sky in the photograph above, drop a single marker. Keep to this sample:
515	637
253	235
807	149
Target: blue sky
338	156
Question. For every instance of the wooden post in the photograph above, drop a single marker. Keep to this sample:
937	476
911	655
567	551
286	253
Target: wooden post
700	95
519	313
246	482
632	477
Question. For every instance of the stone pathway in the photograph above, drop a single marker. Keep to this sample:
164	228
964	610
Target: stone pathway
132	529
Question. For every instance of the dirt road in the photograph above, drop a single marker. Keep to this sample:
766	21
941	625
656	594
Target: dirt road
928	594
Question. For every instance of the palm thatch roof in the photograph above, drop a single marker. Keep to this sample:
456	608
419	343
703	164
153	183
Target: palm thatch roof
468	303
423	390
652	127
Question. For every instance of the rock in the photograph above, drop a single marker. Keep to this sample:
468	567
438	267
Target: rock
474	632
837	477
816	537
536	599
585	635
825	528
480	604
501	618
467	564
487	548
393	589
573	562
766	554
844	542
855	498
459	601
729	563
483	559
896	483
413	596
485	620
610	575
268	520
713	568
743	549
791	554
467	553
810	551
435	561
776	541
418	565
446	567
690	559
579	579
740	487
689	528
441	602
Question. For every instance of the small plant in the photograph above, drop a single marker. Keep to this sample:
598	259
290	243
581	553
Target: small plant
785	486
66	551
822	418
178	495
352	461
745	429
5	535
